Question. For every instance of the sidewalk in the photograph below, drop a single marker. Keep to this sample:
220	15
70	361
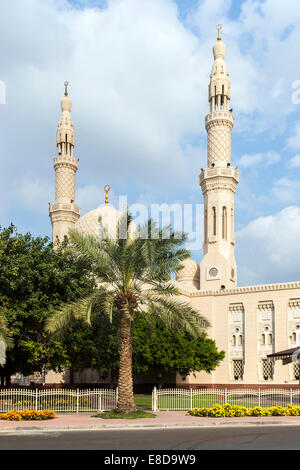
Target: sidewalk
164	419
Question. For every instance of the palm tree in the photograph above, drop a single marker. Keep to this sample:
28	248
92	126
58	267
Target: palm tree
133	274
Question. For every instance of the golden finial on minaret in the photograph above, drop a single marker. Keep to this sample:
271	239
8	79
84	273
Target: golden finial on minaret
219	27
66	88
106	189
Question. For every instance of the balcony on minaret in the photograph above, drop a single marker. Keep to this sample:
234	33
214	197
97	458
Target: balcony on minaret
216	172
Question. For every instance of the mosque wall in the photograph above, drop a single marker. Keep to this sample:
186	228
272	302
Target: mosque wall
248	323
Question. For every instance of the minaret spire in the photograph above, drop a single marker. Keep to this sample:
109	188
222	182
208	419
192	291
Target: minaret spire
218	182
219	27
64	213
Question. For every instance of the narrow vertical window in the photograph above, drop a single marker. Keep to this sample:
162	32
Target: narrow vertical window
216	99
224	223
214	216
222	98
270	339
205	226
66	143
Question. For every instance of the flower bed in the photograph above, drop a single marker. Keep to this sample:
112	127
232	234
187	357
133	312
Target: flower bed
28	415
231	411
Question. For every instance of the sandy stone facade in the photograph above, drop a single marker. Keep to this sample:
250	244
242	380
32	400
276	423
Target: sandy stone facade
246	322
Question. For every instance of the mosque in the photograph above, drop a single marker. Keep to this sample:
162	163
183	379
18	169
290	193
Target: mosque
248	323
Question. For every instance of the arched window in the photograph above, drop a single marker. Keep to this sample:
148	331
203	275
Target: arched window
233	340
293	337
222	98
240	340
270	339
205	226
214	216
216	99
263	339
66	144
224	223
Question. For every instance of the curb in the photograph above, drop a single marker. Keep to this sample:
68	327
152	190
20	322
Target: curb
36	429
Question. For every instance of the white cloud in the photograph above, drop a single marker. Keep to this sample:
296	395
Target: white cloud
268	248
286	190
294	141
294	162
138	80
266	159
262	46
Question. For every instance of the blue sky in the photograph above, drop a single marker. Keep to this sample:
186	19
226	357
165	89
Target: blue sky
138	73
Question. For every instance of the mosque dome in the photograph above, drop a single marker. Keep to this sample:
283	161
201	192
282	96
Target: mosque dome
189	275
104	218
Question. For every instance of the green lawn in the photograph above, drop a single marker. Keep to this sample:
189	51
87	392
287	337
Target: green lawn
206	401
143	400
113	414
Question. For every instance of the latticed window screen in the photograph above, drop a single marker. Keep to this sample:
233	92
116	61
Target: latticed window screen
296	370
267	368
237	369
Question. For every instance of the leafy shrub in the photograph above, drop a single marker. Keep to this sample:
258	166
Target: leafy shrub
230	411
27	415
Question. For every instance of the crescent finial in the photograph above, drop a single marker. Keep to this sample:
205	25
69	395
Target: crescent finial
106	189
66	88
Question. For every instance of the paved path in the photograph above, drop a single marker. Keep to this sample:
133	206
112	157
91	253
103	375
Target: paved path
164	419
150	442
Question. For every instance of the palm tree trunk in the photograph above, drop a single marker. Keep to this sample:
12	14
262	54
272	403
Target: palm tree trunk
125	384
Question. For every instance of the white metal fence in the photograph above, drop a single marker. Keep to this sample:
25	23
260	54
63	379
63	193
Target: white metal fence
184	399
59	400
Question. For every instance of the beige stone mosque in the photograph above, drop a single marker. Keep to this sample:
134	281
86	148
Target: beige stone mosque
248	323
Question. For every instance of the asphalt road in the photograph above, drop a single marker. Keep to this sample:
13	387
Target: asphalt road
219	438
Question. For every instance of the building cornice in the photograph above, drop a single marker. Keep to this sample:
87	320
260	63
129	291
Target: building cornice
241	290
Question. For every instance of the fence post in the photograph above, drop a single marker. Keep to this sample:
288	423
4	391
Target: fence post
117	395
291	396
100	401
36	399
226	395
259	397
77	401
191	392
154	399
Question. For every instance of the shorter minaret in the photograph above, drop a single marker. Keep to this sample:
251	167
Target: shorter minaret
64	213
218	182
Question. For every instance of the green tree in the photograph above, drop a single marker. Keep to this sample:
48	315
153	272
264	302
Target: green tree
35	279
157	350
162	352
134	274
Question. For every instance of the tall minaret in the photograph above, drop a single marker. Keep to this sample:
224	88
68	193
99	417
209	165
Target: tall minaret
64	213
218	182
